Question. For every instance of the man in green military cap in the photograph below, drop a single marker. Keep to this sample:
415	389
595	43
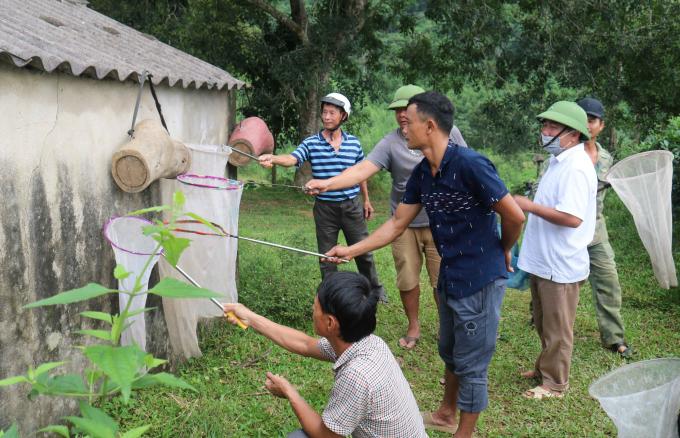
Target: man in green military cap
392	153
561	224
604	280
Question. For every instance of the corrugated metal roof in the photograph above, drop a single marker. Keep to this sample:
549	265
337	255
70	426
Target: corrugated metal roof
67	36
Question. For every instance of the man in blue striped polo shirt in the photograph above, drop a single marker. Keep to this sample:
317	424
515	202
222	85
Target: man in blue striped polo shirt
330	151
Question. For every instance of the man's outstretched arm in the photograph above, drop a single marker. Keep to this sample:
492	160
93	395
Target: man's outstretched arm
388	232
269	160
348	178
292	340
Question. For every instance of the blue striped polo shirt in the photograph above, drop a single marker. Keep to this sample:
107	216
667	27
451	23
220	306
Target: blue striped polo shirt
327	163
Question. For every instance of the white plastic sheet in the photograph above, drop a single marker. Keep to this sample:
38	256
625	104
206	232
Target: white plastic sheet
644	183
132	250
210	260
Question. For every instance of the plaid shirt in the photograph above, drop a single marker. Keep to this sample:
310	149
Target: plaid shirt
370	396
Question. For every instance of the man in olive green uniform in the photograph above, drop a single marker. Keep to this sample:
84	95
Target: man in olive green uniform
604	280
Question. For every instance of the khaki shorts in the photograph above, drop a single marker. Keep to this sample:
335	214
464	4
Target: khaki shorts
408	251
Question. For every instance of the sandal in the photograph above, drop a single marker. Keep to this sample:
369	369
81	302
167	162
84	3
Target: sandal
408	342
539	393
627	353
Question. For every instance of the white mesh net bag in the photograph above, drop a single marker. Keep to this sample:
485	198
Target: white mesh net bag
132	250
210	260
644	182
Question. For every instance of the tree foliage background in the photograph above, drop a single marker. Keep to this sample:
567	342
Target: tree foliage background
501	61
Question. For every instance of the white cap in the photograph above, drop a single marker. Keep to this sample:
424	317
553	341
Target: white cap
338	99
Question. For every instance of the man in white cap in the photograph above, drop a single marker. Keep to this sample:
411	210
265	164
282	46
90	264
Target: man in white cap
392	154
330	151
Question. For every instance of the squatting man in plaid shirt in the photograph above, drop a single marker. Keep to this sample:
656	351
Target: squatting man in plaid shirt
370	396
461	192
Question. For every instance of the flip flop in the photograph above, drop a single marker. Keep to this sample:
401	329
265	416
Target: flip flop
408	340
540	393
430	424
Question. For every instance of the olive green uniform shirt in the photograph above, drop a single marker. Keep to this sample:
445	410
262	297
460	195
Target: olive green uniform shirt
604	162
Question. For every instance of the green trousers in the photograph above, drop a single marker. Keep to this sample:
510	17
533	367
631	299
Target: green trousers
604	280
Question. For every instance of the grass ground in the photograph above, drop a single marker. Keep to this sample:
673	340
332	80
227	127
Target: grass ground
232	402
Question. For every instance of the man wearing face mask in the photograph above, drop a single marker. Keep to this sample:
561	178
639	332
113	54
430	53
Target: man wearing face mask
561	224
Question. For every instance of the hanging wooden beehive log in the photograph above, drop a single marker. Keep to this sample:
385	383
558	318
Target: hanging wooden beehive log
251	136
149	155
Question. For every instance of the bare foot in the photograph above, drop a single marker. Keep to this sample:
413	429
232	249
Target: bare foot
531	374
437	421
411	338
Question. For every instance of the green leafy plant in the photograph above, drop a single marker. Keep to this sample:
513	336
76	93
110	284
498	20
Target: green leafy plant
113	370
667	137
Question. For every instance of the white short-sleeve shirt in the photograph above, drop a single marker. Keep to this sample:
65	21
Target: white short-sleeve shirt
556	252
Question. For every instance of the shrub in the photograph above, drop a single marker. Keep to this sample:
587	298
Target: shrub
667	138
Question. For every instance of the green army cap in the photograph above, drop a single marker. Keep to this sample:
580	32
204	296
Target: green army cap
568	114
403	94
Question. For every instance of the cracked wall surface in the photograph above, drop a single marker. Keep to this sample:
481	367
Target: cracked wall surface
57	136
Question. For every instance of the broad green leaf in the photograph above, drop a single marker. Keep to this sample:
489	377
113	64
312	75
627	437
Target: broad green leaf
101	334
206	223
59	430
45	367
92	375
148	210
166	379
121	364
12	432
120	273
13	380
148	230
92	427
171	288
66	384
138	311
136	432
91	290
33	394
178	200
173	248
101	316
152	362
92	413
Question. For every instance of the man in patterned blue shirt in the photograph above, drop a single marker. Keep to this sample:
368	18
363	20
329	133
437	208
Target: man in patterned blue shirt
461	192
330	151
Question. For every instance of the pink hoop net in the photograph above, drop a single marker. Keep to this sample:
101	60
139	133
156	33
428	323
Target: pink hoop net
132	249
209	182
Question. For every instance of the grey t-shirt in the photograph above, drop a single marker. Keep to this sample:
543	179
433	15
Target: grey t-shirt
392	154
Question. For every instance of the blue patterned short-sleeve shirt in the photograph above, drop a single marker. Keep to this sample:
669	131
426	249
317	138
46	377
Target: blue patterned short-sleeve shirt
458	200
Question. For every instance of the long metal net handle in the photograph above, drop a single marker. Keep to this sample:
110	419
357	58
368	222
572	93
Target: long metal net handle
213	300
261	242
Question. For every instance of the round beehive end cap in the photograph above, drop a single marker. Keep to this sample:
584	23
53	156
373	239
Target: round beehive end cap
239	160
129	171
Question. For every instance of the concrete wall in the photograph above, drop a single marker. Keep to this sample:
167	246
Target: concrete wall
57	135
